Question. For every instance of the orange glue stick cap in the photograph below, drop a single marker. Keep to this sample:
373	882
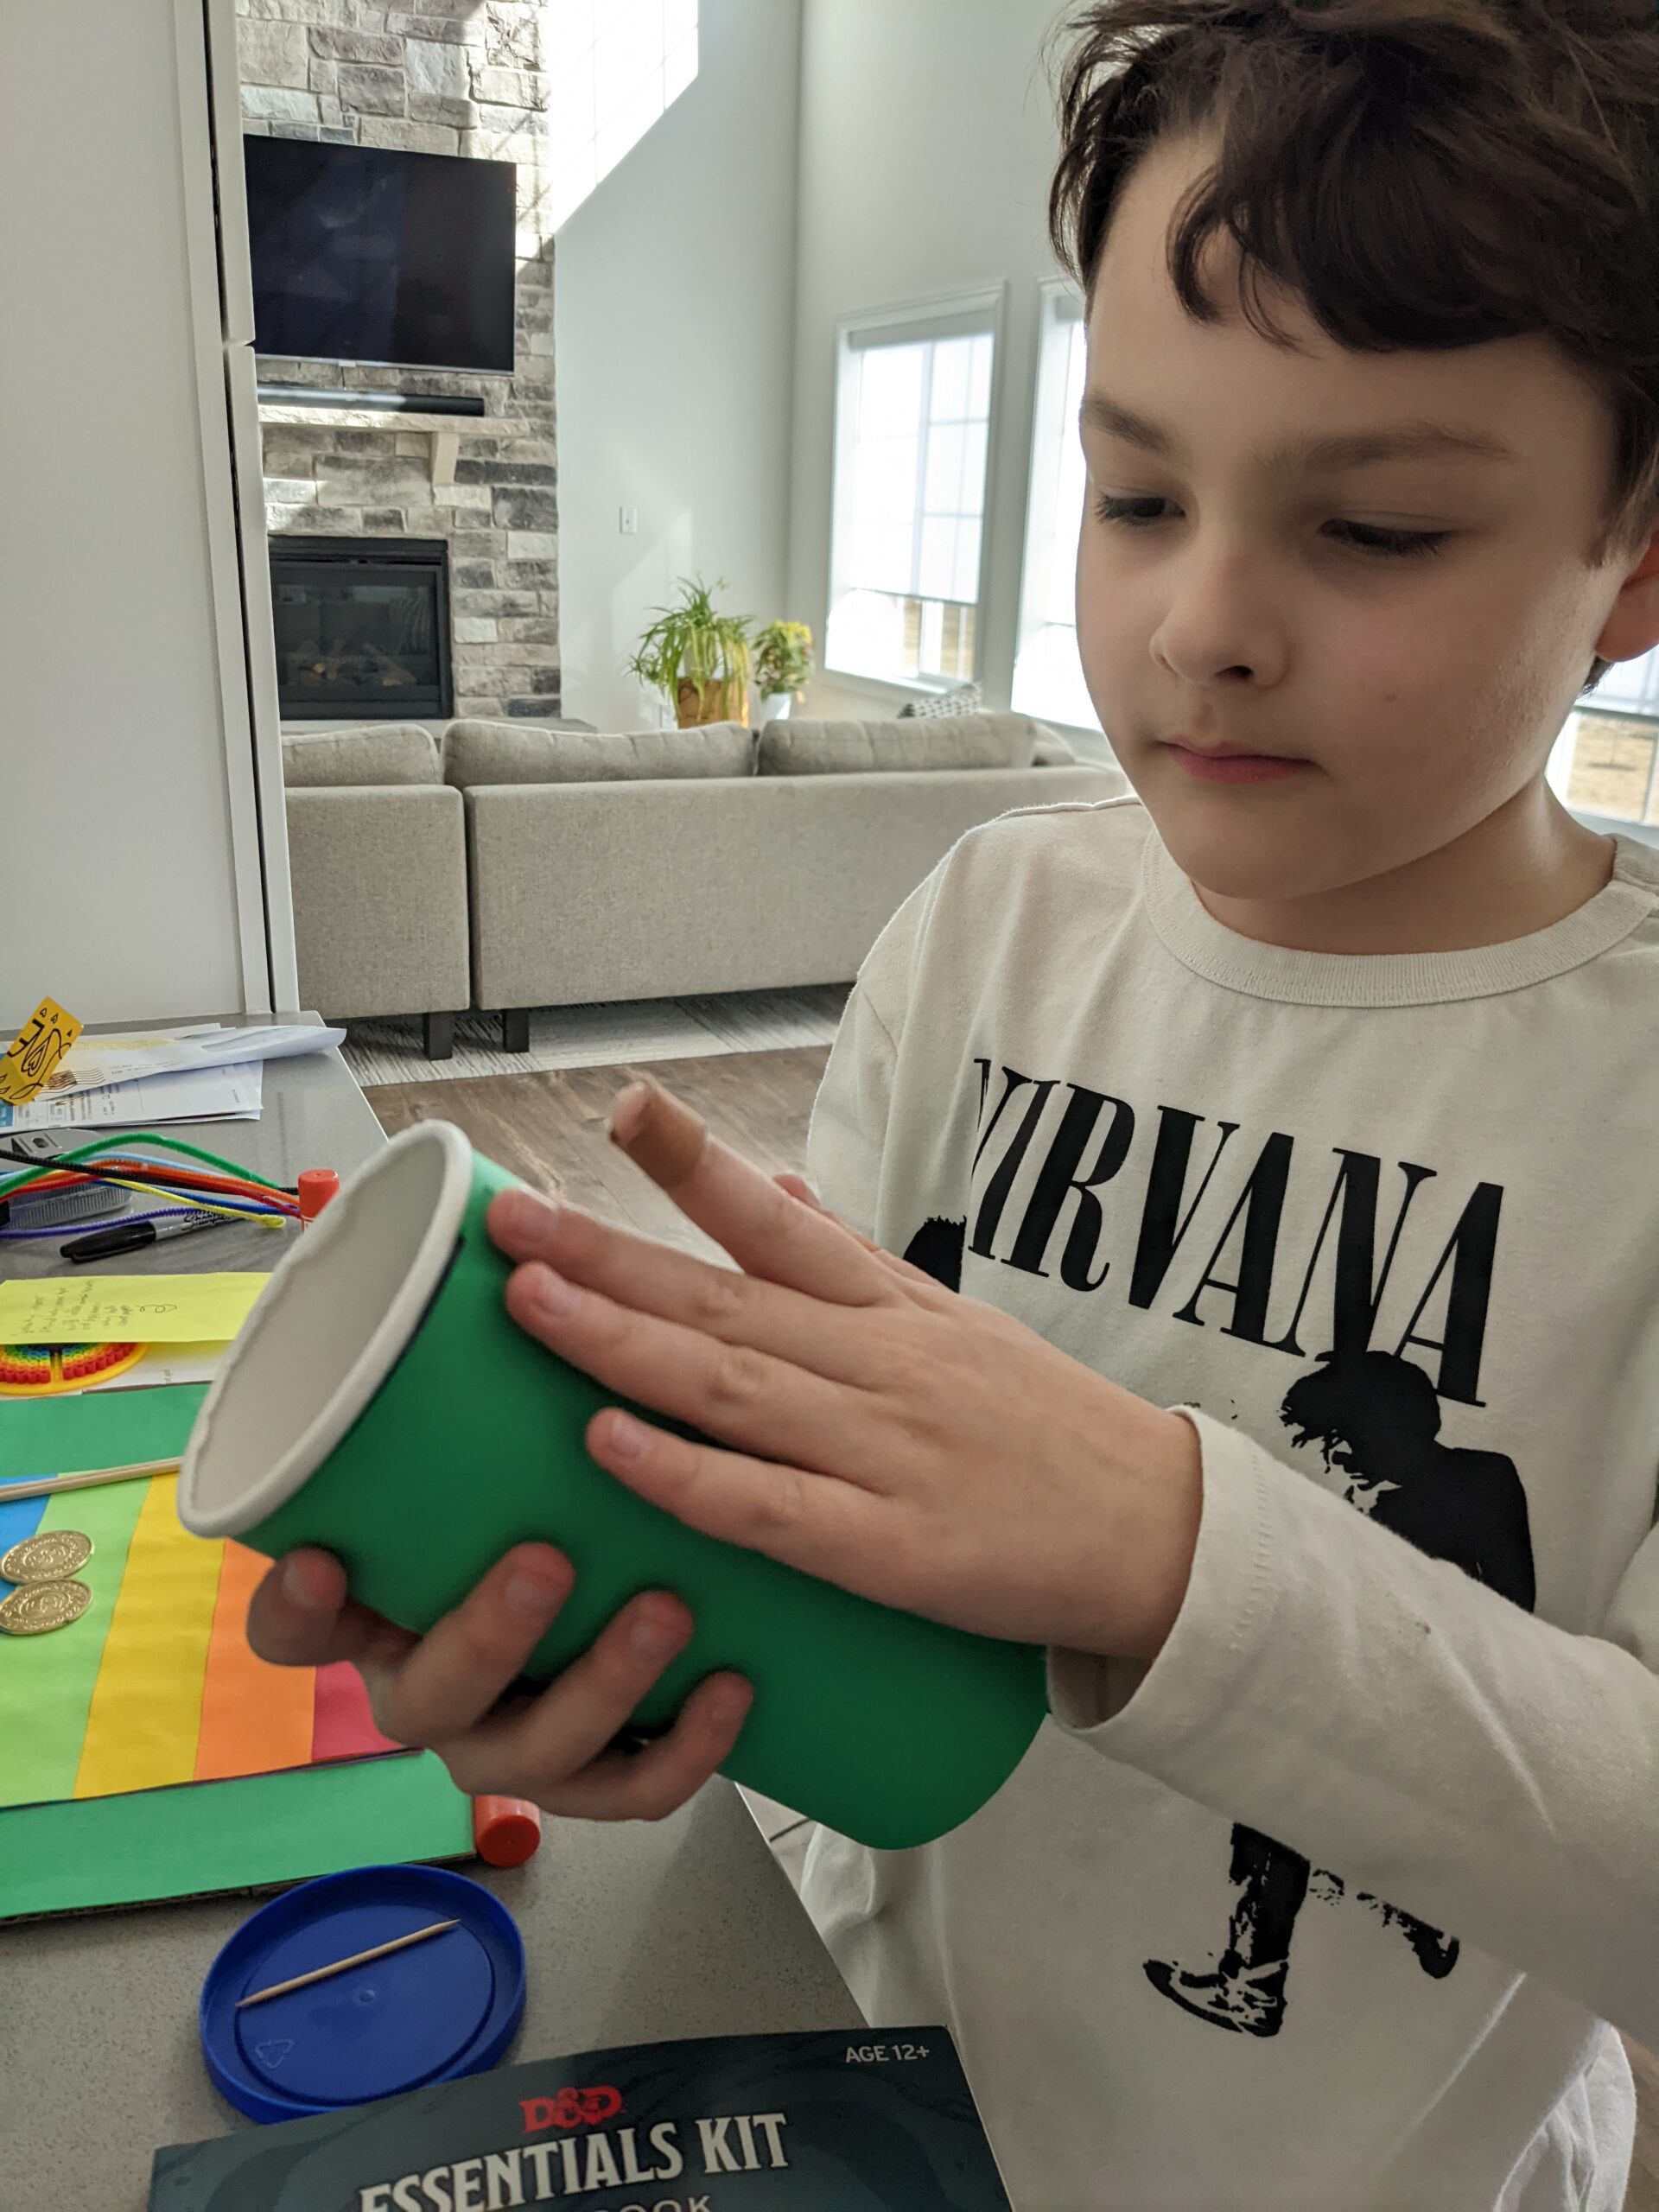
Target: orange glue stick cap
506	1830
316	1186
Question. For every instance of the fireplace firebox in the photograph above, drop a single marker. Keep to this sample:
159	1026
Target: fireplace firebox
362	627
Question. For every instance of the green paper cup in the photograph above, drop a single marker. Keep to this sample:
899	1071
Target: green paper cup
381	1402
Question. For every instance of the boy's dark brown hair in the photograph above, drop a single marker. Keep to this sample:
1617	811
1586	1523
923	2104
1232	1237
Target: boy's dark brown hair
1422	174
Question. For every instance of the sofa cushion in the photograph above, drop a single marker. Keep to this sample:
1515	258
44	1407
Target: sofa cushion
477	752
377	752
840	748
1051	750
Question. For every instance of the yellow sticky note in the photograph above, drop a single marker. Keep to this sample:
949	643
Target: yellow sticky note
127	1309
34	1052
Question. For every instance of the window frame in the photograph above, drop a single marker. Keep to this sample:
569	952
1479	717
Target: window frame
937	315
1060	305
1591	704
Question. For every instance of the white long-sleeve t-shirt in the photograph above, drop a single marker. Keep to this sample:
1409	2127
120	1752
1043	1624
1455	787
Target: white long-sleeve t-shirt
1328	1908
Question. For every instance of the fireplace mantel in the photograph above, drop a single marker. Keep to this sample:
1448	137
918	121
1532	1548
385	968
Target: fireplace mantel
443	432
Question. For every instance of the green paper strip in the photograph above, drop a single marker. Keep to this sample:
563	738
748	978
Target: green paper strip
95	1428
45	1681
257	1832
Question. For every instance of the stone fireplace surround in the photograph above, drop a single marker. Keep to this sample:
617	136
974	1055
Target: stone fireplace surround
439	77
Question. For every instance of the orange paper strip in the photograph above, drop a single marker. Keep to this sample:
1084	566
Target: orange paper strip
255	1718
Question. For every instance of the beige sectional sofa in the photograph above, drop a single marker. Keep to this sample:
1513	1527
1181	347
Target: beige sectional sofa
514	866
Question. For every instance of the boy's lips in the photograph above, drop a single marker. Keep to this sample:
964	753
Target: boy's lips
1231	763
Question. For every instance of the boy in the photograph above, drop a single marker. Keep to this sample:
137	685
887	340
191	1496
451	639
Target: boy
1305	1099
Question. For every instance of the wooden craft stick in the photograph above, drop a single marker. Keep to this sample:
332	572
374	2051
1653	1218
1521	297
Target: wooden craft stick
49	1485
357	1959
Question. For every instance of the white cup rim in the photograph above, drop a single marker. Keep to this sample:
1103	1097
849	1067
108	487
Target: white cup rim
210	1506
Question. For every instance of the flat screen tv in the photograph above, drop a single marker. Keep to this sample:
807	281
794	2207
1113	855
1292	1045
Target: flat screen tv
361	254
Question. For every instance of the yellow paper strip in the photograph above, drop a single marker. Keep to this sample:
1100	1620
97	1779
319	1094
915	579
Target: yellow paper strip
127	1309
146	1709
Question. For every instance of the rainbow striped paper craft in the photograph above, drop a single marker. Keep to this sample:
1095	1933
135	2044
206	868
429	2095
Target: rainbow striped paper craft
156	1684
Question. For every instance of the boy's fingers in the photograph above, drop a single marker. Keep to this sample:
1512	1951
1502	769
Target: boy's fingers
914	1277
643	1277
539	1746
444	1683
300	1616
649	1785
767	1232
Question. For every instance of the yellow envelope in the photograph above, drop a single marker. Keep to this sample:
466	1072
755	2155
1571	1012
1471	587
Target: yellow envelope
127	1309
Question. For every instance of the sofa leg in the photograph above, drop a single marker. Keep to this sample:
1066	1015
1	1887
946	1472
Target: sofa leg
515	1029
439	1036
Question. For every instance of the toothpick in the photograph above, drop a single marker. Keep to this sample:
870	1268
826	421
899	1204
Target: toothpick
357	1959
49	1485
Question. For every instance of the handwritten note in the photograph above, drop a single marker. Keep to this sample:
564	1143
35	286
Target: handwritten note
34	1051
127	1309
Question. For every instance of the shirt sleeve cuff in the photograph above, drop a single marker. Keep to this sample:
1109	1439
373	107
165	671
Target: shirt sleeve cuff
1125	1708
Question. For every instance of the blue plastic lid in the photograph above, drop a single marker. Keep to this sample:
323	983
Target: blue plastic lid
433	2012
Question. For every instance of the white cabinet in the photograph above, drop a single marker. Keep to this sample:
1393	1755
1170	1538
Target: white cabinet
143	860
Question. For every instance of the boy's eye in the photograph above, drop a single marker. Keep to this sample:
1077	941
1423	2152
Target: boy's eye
1383	544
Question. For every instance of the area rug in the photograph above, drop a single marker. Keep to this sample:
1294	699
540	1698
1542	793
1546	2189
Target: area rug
598	1036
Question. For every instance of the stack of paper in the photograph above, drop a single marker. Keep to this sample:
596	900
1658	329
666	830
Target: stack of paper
210	1073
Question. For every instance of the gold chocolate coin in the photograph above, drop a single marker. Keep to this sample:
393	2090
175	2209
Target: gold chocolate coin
50	1557
36	1608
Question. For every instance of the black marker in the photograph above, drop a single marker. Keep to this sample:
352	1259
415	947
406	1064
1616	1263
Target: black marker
134	1236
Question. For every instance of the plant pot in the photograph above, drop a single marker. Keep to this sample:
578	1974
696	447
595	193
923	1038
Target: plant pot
775	707
381	1402
723	701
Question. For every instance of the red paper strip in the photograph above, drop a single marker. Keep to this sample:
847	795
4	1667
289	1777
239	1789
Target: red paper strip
342	1725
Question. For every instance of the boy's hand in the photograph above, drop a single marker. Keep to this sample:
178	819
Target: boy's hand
440	1690
881	1432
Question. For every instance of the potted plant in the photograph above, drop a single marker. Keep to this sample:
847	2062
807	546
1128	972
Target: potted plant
699	658
782	661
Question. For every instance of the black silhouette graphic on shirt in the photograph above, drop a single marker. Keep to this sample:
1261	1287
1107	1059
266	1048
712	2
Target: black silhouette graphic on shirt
1376	1417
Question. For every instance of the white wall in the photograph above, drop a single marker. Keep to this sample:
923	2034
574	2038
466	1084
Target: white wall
927	145
673	286
118	884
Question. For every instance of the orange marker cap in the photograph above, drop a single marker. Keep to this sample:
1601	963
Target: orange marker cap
506	1830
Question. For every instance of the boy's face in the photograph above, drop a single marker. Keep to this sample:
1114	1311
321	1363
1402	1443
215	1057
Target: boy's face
1416	696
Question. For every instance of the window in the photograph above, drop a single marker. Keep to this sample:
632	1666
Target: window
1048	673
912	433
614	68
1606	760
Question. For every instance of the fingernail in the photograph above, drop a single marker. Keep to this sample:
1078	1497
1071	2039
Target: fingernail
552	1295
531	1597
627	1439
651	1637
625	1110
296	1587
732	1702
659	1132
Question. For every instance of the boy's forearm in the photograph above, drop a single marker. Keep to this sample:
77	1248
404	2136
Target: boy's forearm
1378	1712
1165	1463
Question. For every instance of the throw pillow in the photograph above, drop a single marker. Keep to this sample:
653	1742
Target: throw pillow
377	753
965	699
516	753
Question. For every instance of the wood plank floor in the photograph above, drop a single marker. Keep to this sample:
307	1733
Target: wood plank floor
549	1128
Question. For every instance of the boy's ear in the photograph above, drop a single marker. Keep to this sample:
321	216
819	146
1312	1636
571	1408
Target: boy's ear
1633	627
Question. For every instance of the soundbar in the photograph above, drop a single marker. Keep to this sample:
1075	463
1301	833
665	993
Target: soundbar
390	403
